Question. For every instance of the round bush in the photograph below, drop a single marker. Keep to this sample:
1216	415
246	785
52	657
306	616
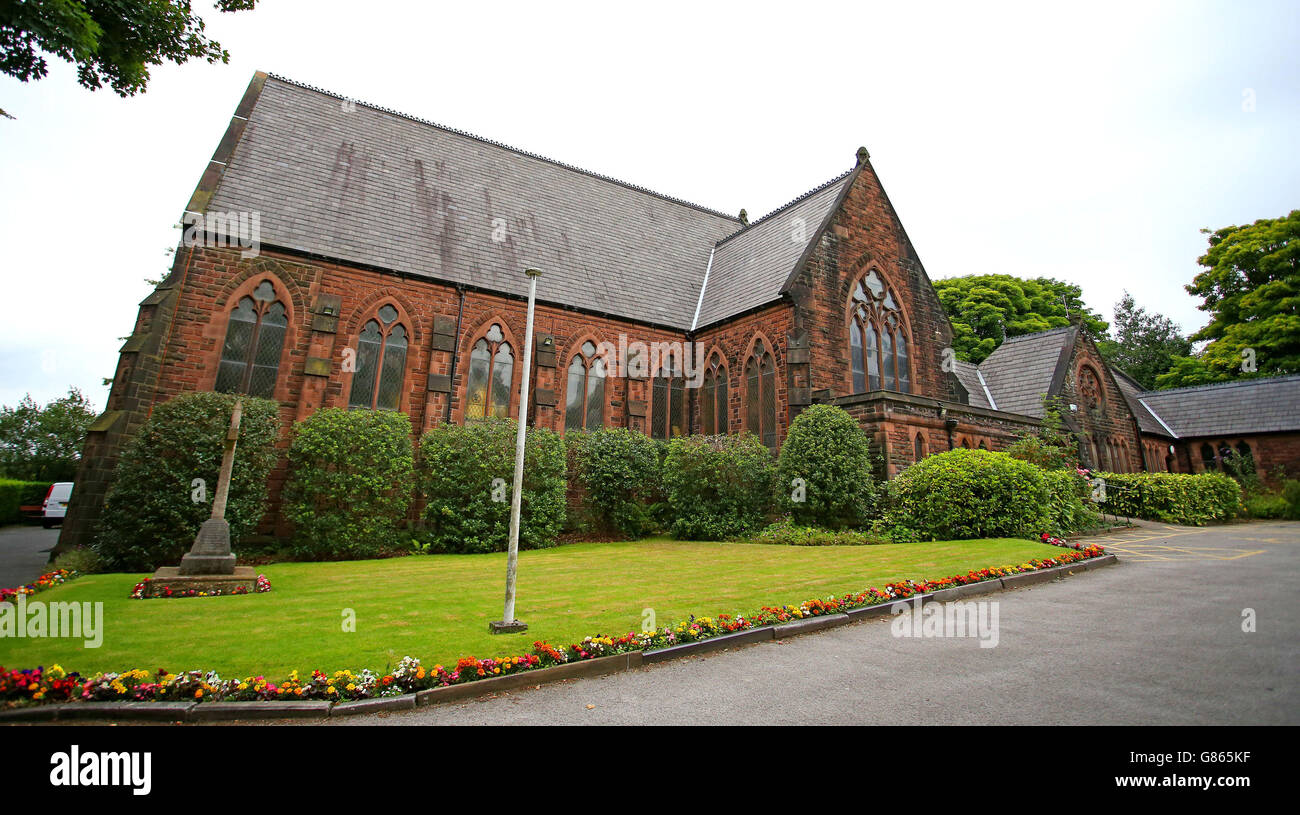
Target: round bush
827	450
1068	511
350	481
969	494
466	475
618	469
717	487
154	508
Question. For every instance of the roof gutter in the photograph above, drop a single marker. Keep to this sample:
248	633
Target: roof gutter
703	287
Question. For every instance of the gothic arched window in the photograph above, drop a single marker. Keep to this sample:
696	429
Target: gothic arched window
918	447
877	340
668	401
584	400
760	394
491	370
1207	456
380	362
713	398
1091	393
250	357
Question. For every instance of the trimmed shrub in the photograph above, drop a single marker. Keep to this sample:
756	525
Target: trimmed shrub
618	470
827	450
968	494
717	487
81	559
14	495
154	509
1175	498
1068	511
788	533
1291	494
1270	505
464	512
350	482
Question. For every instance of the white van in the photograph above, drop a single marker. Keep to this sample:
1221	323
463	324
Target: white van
56	503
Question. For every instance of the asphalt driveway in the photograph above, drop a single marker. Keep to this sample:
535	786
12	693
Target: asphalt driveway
1156	639
24	552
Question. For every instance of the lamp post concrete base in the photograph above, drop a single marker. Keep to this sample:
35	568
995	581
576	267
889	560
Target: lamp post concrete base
503	627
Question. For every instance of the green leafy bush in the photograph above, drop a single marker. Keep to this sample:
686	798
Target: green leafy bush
1176	498
618	470
1291	493
717	487
81	559
350	483
1267	505
14	495
1068	510
154	508
788	533
968	494
465	512
824	470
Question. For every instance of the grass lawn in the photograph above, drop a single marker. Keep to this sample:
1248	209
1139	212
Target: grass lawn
437	607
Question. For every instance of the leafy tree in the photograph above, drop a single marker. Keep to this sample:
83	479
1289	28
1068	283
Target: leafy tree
1051	446
986	309
1145	345
44	443
1251	289
110	41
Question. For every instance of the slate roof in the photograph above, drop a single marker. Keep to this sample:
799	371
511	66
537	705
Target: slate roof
751	267
1230	408
968	373
1021	369
1132	391
371	186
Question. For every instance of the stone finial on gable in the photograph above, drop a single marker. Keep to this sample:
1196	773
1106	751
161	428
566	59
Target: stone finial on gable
744	218
863	155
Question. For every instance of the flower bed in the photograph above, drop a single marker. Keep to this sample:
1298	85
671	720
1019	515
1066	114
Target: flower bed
46	581
56	685
141	590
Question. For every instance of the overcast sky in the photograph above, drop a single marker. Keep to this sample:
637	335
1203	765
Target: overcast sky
1088	142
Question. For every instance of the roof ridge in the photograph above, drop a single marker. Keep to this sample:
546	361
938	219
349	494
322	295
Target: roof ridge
1229	384
1035	334
787	205
504	146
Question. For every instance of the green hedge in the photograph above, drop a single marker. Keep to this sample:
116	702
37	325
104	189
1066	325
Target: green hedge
17	494
618	470
464	512
827	451
153	510
968	494
1176	498
718	487
350	483
788	533
1068	510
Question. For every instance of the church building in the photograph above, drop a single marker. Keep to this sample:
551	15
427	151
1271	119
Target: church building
339	254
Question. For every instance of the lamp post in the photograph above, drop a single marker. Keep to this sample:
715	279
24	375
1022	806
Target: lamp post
508	624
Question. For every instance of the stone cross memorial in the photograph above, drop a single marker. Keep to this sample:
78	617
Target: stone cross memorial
209	567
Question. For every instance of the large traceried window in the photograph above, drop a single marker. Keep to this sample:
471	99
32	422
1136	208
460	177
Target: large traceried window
713	398
250	357
668	401
760	394
584	400
491	368
380	363
877	339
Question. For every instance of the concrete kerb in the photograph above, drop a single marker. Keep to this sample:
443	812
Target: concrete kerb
602	666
